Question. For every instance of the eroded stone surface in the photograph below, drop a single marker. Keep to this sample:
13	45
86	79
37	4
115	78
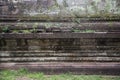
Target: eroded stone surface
61	8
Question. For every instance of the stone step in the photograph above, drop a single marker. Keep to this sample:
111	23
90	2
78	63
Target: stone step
61	59
61	51
99	26
57	54
60	47
7	18
94	68
76	35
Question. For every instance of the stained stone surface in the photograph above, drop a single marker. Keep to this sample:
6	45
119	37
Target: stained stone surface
60	8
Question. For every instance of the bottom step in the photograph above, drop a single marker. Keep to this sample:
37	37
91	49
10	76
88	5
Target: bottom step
65	67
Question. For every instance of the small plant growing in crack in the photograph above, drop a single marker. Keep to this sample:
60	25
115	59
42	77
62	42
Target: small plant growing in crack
5	29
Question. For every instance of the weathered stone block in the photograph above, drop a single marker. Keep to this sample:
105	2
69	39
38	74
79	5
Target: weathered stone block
61	8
